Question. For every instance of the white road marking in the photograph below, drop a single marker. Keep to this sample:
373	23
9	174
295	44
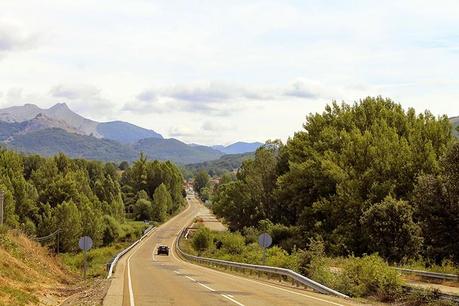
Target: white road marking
226	296
232	300
131	292
207	287
190	278
153	253
137	247
249	280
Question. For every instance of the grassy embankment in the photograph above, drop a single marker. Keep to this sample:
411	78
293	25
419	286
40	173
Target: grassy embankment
29	274
98	257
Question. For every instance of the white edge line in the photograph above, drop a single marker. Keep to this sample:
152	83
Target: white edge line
137	247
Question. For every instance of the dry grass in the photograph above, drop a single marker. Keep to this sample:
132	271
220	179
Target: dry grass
29	274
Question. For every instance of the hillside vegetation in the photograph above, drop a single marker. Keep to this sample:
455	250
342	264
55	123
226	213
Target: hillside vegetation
28	273
48	142
175	150
226	163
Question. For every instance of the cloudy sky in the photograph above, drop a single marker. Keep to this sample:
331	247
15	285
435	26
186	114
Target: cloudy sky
214	72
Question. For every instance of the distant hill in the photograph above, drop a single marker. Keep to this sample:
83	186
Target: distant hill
31	129
226	163
124	132
175	150
239	147
455	122
61	116
52	141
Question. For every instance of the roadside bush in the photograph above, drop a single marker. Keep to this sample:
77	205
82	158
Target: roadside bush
232	243
112	230
369	276
423	297
314	264
202	240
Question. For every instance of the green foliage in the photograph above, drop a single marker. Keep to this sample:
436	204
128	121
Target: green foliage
249	199
162	203
436	202
370	276
112	230
68	220
97	259
148	176
202	239
200	180
334	180
219	167
143	210
391	231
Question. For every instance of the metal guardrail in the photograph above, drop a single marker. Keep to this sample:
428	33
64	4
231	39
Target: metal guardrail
295	277
442	276
112	264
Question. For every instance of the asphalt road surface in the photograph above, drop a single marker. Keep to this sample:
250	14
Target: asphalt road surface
145	278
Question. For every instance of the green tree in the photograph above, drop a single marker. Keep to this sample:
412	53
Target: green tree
162	201
249	199
201	180
350	158
111	230
67	218
92	222
391	231
436	203
143	210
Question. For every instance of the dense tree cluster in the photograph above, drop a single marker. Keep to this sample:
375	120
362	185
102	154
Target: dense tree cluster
82	197
152	189
367	177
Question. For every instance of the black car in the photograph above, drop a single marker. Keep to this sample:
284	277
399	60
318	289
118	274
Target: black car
163	249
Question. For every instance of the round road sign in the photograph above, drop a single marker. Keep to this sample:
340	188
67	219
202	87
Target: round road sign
264	240
85	243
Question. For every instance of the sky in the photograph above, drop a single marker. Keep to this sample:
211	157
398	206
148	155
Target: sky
216	72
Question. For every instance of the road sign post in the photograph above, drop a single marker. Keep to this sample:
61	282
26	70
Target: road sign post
85	244
264	240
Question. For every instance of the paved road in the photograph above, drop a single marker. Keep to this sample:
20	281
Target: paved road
150	279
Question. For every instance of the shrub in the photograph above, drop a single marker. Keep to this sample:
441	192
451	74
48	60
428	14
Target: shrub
421	297
232	243
314	264
112	230
201	239
370	276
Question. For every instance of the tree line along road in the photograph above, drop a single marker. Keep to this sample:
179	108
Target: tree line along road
144	278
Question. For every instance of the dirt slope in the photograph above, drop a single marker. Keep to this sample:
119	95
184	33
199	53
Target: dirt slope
29	274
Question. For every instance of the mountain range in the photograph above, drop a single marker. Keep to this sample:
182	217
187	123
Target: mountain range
31	129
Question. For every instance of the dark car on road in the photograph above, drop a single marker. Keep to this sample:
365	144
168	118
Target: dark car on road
163	249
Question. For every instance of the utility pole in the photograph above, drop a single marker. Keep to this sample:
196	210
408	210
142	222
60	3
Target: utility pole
2	196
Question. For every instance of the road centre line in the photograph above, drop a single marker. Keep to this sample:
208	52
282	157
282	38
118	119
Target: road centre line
226	296
232	300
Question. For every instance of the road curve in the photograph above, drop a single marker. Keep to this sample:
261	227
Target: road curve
144	278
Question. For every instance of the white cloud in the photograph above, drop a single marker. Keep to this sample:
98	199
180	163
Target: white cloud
274	61
13	38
